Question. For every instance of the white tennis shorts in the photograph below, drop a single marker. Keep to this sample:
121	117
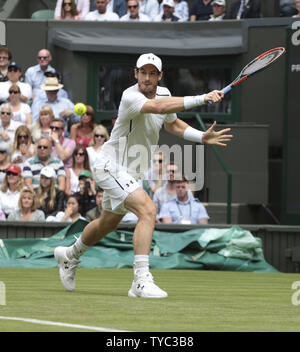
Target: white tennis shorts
116	183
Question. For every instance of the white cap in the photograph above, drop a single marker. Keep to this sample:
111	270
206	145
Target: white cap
48	171
151	59
219	2
168	3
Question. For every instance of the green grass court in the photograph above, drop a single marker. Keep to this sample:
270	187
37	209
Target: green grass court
199	301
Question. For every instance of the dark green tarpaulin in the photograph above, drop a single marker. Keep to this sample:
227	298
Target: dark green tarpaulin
233	249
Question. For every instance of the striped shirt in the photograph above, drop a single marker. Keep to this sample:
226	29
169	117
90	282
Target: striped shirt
33	166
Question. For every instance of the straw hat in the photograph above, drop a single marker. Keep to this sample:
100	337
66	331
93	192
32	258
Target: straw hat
51	83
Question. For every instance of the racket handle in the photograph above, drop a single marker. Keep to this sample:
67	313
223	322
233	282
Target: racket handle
224	90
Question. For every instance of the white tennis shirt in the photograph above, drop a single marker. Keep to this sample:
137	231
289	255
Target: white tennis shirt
135	135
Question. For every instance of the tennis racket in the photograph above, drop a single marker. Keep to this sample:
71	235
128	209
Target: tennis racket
258	64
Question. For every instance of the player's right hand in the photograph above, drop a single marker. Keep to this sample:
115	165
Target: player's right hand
214	96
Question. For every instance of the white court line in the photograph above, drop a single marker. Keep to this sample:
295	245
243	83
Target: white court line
55	323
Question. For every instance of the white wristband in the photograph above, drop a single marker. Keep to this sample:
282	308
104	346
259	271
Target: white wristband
193	135
190	102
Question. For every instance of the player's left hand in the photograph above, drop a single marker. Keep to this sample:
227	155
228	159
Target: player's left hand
216	138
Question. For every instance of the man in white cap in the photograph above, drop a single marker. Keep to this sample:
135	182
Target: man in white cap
125	158
168	12
219	8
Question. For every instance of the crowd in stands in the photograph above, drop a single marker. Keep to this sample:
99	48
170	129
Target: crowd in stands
164	10
48	153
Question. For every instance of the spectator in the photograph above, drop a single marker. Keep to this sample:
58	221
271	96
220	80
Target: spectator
11	189
82	132
22	148
287	8
100	136
34	75
149	8
68	11
4	159
14	72
167	191
87	191
21	111
41	94
50	199
27	208
71	213
42	126
244	9
62	147
117	6
5	60
133	13
8	127
168	12
80	162
297	2
95	212
201	10
83	7
219	8
156	174
181	9
101	13
33	166
183	209
62	107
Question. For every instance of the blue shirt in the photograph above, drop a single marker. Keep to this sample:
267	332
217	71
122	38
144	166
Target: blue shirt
189	212
35	76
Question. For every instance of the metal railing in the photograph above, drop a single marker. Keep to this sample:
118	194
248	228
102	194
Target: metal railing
225	168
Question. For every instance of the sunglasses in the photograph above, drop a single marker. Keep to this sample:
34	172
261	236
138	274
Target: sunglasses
43	57
2	151
13	69
14	92
22	136
99	136
171	171
10	173
5	113
158	161
80	154
55	128
43	147
3	58
67	4
133	6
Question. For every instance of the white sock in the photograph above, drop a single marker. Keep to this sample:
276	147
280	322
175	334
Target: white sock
141	264
77	249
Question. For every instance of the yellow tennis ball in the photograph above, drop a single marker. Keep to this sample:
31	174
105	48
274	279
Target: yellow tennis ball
80	109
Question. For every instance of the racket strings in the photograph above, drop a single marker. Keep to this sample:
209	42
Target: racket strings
261	62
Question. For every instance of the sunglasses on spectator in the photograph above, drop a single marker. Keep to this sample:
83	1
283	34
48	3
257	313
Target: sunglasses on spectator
80	154
3	58
99	136
2	151
132	6
42	147
67	4
14	92
56	128
9	173
5	113
158	161
43	57
23	136
13	69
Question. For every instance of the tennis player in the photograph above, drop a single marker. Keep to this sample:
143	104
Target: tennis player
144	109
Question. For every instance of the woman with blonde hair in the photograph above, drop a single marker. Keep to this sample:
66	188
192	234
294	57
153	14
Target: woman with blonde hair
21	111
42	126
68	11
100	136
11	188
50	199
82	132
22	148
27	208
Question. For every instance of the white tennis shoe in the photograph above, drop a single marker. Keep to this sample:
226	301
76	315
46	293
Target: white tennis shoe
144	286
67	268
